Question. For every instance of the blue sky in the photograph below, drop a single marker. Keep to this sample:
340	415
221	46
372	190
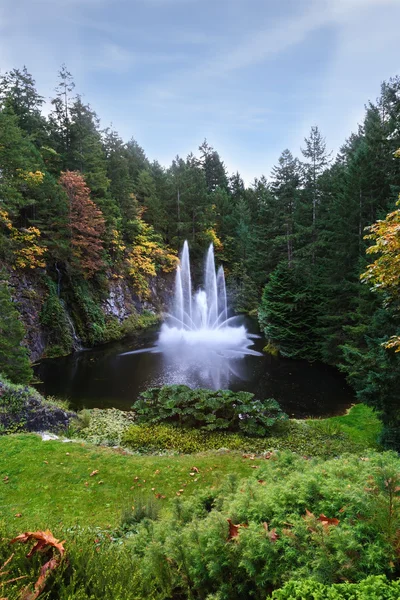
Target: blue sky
251	76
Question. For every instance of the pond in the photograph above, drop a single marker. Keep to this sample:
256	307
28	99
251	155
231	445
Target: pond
106	377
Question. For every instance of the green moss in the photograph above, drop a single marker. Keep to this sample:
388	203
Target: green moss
54	318
137	322
271	349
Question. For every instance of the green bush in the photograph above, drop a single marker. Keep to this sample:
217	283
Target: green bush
55	320
136	322
284	533
221	410
371	588
14	361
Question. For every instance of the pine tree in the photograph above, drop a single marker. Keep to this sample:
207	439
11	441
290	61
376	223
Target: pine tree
286	313
18	93
285	187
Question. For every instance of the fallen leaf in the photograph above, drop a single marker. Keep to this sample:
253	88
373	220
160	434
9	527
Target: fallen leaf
254	466
18	515
181	491
234	529
46	462
44	540
156	472
195	469
272	535
191	474
6	478
261	481
326	521
100	482
86	483
93	473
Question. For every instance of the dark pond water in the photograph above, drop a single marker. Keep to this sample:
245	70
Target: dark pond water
102	378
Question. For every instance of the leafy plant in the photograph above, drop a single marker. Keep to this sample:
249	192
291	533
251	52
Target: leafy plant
221	410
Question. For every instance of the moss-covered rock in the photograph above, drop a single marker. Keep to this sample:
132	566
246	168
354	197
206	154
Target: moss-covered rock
22	408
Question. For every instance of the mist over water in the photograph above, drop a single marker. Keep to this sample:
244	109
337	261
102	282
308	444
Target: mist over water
199	342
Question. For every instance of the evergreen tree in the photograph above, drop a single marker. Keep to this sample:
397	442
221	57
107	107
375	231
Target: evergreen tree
285	187
214	168
18	93
286	313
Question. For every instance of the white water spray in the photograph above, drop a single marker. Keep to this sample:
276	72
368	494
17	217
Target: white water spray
202	319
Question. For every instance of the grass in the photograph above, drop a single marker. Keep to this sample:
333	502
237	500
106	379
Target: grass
49	483
360	423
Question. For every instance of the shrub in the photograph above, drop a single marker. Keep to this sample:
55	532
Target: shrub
136	322
208	409
372	588
14	361
104	426
158	438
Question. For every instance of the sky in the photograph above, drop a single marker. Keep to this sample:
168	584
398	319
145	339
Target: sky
251	76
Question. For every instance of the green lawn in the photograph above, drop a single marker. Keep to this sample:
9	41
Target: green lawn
49	483
360	423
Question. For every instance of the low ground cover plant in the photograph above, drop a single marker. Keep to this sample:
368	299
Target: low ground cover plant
221	410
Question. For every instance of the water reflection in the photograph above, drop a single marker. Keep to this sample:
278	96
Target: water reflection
103	378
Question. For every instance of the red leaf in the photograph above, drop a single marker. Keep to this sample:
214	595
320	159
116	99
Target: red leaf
272	535
234	529
326	521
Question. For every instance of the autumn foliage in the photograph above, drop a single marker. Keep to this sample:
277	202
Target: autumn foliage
45	543
86	224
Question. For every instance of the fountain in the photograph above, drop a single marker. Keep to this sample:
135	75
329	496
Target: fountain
199	342
202	318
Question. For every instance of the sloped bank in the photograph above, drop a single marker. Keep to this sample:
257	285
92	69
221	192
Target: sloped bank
23	409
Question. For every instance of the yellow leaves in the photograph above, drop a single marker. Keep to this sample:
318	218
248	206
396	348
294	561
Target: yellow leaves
28	254
146	257
116	241
211	235
384	272
5	219
33	179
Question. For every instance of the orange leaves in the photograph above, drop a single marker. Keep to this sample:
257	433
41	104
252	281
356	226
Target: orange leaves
43	539
234	529
272	534
326	522
44	542
86	223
